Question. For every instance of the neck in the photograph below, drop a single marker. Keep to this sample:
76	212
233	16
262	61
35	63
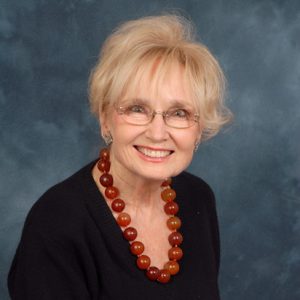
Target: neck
137	192
142	194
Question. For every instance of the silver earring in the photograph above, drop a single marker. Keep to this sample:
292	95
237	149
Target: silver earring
108	139
196	146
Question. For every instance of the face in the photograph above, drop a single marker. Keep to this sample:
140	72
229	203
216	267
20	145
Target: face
153	151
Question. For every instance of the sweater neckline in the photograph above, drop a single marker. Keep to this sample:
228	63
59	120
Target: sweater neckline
106	223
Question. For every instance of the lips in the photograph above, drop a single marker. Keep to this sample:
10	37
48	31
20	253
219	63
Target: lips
154	153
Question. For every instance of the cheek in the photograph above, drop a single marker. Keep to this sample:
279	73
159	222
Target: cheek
118	130
114	123
124	134
186	140
185	144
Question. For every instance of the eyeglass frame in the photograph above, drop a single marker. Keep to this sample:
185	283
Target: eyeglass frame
164	114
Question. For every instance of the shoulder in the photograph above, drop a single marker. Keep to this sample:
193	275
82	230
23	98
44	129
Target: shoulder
195	192
62	207
193	184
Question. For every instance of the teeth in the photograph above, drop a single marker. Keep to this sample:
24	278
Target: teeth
154	153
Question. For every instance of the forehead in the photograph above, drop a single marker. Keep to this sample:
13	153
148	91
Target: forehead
160	86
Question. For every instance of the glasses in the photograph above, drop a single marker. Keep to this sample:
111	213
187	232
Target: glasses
140	114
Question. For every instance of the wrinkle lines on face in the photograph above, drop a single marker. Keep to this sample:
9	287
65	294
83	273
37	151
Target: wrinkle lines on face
135	167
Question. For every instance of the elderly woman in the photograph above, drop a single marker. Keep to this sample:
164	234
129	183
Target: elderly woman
133	224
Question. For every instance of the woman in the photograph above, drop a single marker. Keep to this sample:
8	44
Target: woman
121	228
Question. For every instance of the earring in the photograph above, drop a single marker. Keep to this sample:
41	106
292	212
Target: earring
108	139
196	146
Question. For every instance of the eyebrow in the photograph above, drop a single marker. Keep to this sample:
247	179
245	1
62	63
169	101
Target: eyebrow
134	101
180	104
172	103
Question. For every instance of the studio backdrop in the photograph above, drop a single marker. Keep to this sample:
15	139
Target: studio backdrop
47	49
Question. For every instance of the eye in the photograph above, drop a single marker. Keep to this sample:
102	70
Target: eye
179	113
136	109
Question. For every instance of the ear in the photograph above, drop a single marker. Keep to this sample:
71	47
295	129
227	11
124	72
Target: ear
104	122
199	135
197	141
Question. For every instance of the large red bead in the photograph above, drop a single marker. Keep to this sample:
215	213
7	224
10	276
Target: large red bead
111	192
143	262
171	208
175	238
130	233
104	154
172	267
123	219
173	223
164	276
168	195
175	253
153	273
103	165
118	205
167	182
137	248
106	180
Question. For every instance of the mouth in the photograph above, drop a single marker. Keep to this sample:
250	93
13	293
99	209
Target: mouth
153	153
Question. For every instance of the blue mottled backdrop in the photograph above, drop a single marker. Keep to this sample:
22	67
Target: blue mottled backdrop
46	51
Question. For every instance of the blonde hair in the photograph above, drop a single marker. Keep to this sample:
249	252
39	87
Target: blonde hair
136	46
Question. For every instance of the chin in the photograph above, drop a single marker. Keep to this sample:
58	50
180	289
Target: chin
159	175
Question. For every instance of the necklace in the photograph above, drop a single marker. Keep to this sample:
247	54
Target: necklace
123	219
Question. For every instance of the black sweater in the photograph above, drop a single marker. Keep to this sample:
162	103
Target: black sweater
72	247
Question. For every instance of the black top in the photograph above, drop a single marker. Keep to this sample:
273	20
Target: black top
72	247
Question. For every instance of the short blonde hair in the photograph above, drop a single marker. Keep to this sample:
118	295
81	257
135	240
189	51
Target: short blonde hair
132	50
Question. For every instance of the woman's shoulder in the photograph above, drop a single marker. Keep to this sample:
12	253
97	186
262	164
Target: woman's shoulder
63	203
195	191
192	182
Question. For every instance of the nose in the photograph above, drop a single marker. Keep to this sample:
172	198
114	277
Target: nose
157	129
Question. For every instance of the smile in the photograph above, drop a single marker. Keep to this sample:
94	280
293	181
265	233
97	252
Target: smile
153	153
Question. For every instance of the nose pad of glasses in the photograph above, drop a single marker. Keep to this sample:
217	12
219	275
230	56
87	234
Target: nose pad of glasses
158	113
162	113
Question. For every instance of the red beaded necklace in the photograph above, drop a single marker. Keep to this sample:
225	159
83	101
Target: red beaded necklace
130	233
